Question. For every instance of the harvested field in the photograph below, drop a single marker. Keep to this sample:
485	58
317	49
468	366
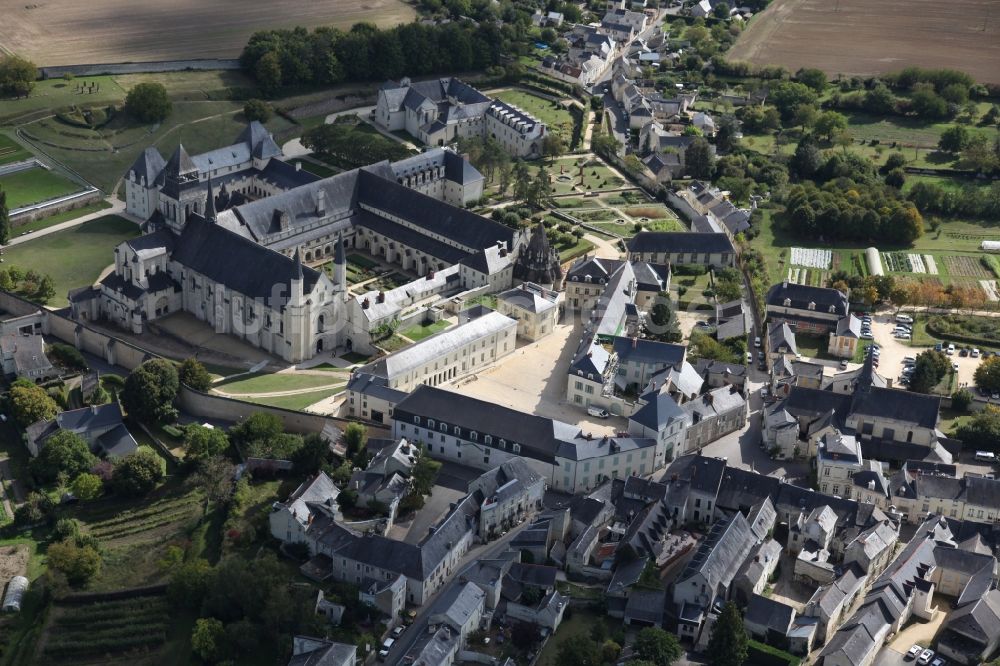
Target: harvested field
66	32
966	266
13	562
861	37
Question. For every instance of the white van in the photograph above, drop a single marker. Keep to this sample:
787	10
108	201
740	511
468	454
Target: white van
986	456
598	412
904	319
383	654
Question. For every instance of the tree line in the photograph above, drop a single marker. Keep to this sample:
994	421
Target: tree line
326	56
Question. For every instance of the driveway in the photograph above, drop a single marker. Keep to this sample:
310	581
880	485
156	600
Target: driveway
894	350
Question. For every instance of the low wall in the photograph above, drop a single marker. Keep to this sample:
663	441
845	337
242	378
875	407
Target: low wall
23	165
21	216
207	406
137	67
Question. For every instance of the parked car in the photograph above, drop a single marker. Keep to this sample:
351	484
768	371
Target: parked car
756	342
760	356
598	412
950	351
995	395
867	336
909	359
749	358
904	319
925	657
938	347
914	652
963	352
954	366
398	631
986	456
383	654
974	353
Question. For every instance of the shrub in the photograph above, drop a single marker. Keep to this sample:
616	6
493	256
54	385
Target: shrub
257	109
148	103
67	356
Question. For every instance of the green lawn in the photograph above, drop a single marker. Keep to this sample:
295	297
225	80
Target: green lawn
104	155
573	628
273	382
58	218
35	185
418	333
74	257
578	249
299	401
12	151
321	170
551	113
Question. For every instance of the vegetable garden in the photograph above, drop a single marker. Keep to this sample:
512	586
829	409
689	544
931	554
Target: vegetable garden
83	632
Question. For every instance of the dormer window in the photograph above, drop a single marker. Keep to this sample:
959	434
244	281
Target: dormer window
517	447
416	419
787	302
503	443
456	430
812	306
833	308
474	436
488	439
444	427
430	423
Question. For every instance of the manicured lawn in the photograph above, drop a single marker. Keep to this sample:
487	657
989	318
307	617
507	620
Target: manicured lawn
35	185
578	249
551	113
573	629
951	420
299	401
12	151
417	333
321	170
273	382
59	218
813	346
354	357
74	257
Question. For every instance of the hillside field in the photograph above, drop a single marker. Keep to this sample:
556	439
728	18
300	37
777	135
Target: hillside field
67	32
862	37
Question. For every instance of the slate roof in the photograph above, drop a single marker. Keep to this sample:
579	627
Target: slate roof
780	334
646	605
686	242
223	257
770	614
148	165
721	553
801	295
377	387
309	651
916	408
978	620
641	350
535	300
597	268
660	410
981	491
28	352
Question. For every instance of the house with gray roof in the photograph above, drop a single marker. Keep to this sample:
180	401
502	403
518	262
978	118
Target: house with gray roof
23	357
508	494
768	620
756	572
709	575
101	426
714	414
309	651
971	634
535	308
682	248
829	602
808	309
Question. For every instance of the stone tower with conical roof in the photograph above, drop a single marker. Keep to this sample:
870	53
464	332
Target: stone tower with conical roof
538	261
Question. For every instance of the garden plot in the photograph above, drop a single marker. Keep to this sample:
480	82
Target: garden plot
811	258
932	268
916	263
990	287
897	262
966	266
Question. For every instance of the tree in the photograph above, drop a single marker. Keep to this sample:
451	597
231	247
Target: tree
65	452
987	375
896	178
698	159
954	139
150	391
257	109
148	103
313	455
928	104
721	11
424	473
208	638
355	438
961	399
807	159
581	652
30	404
662	323
658	646
138	473
37	507
814	78
87	486
553	145
268	73
45	289
4	226
347	499
192	373
17	76
804	116
201	442
727	646
930	367
78	563
982	432
829	123
216	477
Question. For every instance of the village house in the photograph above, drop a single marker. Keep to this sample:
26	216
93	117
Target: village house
23	357
535	308
100	426
679	248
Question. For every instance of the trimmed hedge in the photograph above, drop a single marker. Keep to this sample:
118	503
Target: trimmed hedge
991	264
760	654
937	332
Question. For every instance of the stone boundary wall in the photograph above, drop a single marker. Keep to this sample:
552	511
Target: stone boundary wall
137	67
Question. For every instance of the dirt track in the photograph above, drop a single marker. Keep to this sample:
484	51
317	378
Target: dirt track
69	32
864	37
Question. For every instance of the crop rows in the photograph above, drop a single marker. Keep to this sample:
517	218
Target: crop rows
154	509
122	530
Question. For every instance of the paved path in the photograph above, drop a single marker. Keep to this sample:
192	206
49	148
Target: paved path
117	208
604	248
294	147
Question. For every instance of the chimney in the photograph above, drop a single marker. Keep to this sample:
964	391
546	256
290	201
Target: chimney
365	304
93	409
380	298
320	202
784	285
298	166
430	274
635	341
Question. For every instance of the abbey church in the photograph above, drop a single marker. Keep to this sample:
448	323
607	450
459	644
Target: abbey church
256	247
